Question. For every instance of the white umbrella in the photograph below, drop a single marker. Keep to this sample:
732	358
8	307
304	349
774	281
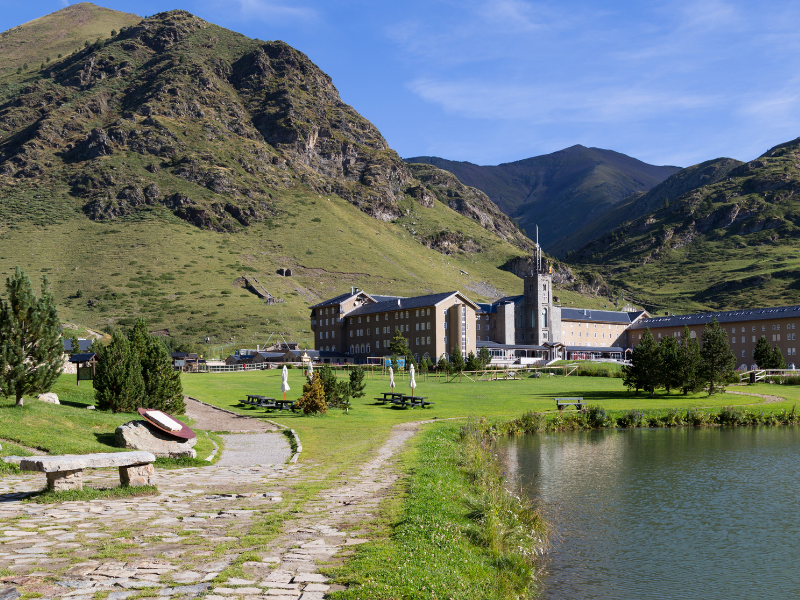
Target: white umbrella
310	370
285	381
412	384
391	377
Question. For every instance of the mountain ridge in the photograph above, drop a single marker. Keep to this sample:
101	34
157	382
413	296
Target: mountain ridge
561	191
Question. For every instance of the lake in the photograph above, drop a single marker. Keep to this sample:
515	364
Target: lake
666	513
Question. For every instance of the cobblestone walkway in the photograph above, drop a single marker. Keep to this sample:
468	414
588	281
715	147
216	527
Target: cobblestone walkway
179	542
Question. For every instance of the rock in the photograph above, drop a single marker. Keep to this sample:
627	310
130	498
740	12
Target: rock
140	435
91	407
9	593
49	397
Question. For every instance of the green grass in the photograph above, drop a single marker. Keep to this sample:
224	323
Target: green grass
88	493
338	439
431	541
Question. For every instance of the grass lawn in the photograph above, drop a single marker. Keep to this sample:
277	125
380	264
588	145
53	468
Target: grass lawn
338	438
68	428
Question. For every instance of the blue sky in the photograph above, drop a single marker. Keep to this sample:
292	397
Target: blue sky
668	82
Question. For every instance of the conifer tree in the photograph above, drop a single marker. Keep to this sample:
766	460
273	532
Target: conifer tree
718	360
357	382
671	357
644	371
74	345
313	399
690	365
31	351
472	362
776	359
457	360
484	357
118	384
162	383
763	353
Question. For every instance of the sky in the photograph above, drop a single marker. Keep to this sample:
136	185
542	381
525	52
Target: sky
668	82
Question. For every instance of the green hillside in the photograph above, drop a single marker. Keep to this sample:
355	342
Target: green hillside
59	33
560	192
734	243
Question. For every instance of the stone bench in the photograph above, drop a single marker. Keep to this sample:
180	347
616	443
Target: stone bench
65	472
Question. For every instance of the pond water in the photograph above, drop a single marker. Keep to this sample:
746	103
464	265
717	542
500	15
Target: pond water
666	513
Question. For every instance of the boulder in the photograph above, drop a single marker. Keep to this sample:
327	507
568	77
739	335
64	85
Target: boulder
141	435
49	397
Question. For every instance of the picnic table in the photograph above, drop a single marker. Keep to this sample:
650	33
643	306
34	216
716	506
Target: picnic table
562	402
389	397
270	403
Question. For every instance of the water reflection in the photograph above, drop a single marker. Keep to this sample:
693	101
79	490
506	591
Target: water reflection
666	513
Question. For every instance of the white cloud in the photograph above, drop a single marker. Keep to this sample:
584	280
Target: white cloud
540	104
261	10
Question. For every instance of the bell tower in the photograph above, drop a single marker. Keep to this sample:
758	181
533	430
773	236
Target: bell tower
541	321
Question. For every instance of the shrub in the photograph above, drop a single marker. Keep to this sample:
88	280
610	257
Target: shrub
596	416
632	418
731	415
313	399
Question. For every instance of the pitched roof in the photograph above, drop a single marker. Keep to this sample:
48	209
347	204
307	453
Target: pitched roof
486	307
728	316
406	303
84	345
596	316
84	357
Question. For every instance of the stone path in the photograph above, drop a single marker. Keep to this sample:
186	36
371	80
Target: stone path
180	542
211	418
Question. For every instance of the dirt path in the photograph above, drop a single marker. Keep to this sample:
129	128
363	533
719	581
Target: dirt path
211	418
767	398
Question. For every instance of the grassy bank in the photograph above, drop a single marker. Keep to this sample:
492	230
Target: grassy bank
452	532
67	428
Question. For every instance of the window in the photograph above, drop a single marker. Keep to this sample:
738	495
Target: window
429	325
406	314
754	327
742	353
416	313
743	339
779	327
351	349
351	333
368	349
326	335
416	342
692	334
779	337
429	339
427	312
386	317
733	330
320	335
487	338
367	330
763	328
479	326
362	348
359	319
417	326
754	338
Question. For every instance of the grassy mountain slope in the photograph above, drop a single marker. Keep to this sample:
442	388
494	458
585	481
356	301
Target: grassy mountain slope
642	203
148	174
561	192
733	243
61	32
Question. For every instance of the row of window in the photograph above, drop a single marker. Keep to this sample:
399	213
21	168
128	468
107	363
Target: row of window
387	330
580	334
400	314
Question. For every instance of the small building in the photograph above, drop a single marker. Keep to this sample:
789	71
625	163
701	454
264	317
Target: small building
85	363
185	361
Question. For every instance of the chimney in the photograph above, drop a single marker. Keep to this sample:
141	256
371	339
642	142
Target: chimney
352	290
398	303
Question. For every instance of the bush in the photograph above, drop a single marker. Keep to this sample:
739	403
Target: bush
632	418
731	415
313	399
596	416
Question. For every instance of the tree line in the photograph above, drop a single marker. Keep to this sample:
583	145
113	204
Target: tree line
681	365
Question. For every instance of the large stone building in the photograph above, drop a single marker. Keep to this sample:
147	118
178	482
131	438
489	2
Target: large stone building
363	325
743	327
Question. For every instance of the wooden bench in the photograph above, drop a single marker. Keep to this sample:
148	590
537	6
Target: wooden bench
66	472
562	402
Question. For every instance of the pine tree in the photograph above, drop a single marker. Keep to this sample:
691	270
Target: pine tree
118	384
74	345
443	366
718	360
643	372
31	351
357	384
313	399
457	361
162	383
776	359
671	358
472	362
690	365
484	357
763	353
398	345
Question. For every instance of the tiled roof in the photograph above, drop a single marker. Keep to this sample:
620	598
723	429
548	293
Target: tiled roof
403	304
597	316
729	316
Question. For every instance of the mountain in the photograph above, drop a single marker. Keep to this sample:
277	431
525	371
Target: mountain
560	192
48	38
176	169
733	242
642	203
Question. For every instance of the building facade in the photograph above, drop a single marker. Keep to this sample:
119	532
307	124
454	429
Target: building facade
743	328
362	325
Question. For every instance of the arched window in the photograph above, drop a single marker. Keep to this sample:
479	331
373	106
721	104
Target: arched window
544	317
333	348
362	348
327	348
368	349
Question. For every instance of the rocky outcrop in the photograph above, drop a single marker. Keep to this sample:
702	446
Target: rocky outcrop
140	435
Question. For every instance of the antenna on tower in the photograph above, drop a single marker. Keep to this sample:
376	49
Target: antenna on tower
538	252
